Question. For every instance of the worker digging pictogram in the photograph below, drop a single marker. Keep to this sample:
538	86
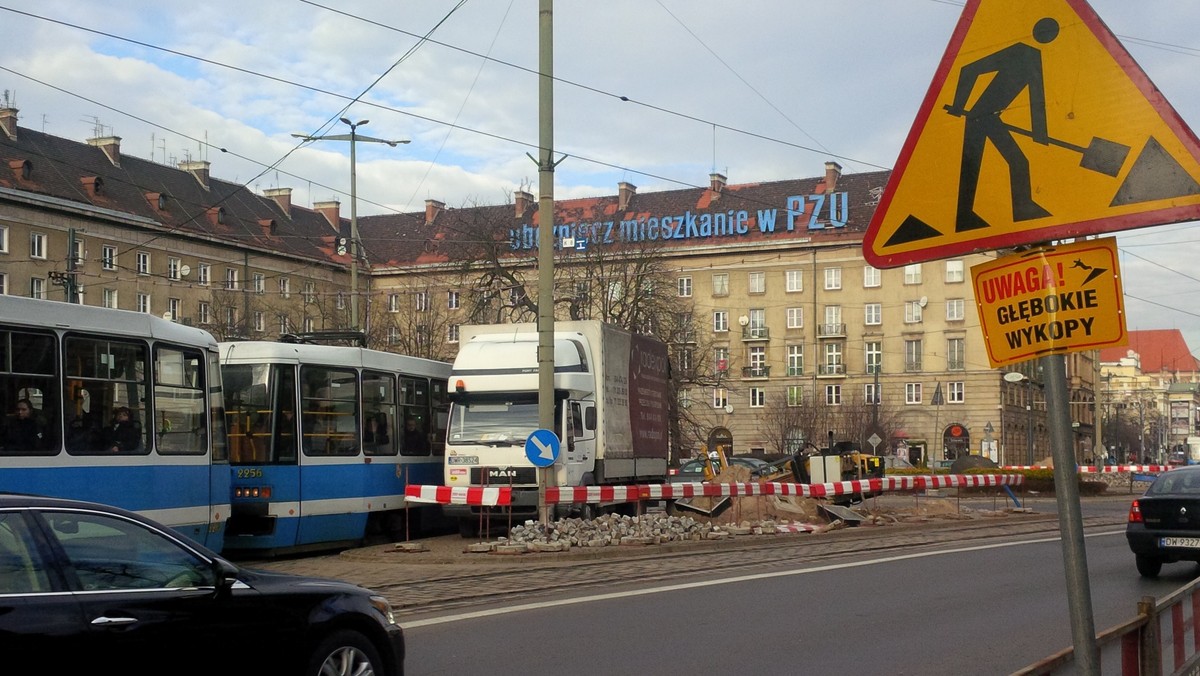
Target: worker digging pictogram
1038	126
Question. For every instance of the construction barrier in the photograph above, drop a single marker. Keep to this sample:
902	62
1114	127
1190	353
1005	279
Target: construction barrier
1102	469
566	495
1164	638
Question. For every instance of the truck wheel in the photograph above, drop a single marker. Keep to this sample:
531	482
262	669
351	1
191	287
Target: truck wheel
468	527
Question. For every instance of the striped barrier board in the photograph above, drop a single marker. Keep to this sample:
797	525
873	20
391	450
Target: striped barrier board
1103	469
502	496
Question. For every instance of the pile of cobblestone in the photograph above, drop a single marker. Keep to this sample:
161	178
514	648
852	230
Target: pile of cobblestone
612	530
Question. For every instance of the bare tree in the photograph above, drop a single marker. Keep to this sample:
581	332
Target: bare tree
407	320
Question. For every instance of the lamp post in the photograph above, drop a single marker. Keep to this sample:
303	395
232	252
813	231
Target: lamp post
353	137
1016	377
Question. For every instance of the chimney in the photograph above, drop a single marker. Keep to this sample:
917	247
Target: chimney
8	122
111	145
332	211
282	197
833	171
92	184
625	193
523	201
716	183
199	169
432	209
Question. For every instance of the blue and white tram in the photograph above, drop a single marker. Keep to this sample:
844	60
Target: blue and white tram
116	407
323	440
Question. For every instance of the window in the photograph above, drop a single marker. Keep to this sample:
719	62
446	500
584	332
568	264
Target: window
685	361
873	314
37	288
795	280
37	245
3	239
203	273
108	257
757	323
795	318
721	321
173	266
912	393
260	321
260	283
231	317
833	359
872	277
451	300
912	273
720	359
956	393
956	354
340	302
109	299
231	279
758	397
285	287
758	361
310	292
173	305
912	355
720	397
720	282
833	279
954	272
3	283
871	394
143	262
284	324
310	325
80	252
393	335
422	301
685	287
873	349
203	312
757	282
912	311
795	360
955	310
143	303
452	333
833	395
795	395
393	302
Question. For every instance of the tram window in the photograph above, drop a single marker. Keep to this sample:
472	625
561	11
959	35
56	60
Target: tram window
216	410
329	419
113	374
180	410
441	415
379	413
28	381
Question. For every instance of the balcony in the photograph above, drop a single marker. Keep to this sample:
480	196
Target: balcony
756	371
831	330
912	365
831	370
755	333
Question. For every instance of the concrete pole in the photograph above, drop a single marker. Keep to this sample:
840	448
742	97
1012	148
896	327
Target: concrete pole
545	305
353	232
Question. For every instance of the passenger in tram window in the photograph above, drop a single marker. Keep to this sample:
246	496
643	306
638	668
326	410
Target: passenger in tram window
23	432
415	442
375	437
125	434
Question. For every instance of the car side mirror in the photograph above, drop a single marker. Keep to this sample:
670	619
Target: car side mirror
226	576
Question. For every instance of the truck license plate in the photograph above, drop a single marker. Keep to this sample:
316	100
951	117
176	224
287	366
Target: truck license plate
1193	543
463	459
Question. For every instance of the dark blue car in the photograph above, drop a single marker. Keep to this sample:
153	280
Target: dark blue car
91	589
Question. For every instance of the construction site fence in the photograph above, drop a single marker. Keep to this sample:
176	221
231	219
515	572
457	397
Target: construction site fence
499	496
1161	639
1102	469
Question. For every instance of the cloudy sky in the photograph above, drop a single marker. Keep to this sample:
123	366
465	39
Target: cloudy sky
659	93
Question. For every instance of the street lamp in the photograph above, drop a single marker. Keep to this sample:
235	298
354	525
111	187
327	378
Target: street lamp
1016	377
353	137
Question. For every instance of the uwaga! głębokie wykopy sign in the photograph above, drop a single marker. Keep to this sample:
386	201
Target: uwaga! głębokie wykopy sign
1050	300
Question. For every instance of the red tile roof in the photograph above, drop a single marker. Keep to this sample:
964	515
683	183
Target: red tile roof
1161	351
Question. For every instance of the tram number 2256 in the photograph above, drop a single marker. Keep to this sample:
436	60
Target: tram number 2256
249	473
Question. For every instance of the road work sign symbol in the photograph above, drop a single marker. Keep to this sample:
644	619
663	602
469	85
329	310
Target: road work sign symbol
1038	126
542	448
1050	300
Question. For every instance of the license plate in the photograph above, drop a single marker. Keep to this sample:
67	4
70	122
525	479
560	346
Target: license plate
1192	543
463	459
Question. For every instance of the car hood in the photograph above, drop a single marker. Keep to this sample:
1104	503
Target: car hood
265	581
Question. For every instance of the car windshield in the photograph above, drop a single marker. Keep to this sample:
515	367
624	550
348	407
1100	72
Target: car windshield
1176	483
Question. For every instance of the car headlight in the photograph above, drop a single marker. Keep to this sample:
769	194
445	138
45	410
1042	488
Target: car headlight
381	604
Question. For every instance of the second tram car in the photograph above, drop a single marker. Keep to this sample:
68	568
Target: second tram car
323	440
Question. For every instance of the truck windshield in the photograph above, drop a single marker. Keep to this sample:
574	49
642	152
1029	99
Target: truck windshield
493	422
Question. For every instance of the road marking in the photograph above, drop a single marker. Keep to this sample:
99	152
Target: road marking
476	614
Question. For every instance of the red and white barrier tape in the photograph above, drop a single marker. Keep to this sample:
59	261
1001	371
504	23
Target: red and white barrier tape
1103	469
459	495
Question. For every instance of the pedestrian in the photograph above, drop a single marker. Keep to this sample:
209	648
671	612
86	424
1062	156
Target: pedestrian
125	434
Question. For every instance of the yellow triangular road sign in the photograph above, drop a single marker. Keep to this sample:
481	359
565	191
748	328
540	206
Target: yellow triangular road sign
1038	126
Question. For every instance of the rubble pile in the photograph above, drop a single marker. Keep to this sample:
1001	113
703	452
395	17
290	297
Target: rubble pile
612	529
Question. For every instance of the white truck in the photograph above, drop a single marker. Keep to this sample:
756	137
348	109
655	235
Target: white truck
612	404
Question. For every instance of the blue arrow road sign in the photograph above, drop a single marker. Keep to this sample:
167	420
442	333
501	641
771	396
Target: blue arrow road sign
542	448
